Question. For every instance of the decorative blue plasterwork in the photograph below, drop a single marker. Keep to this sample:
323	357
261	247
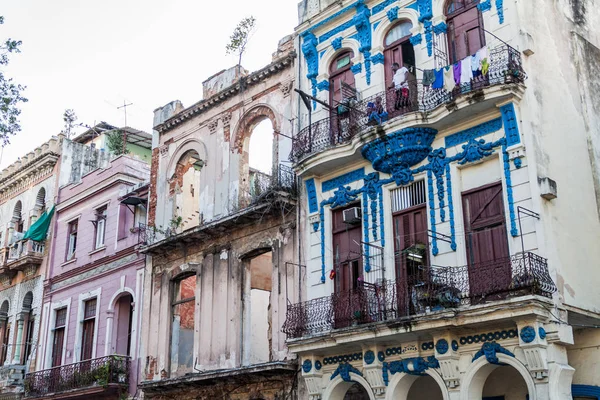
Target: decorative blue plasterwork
371	189
416	39
500	9
489	337
405	148
318	365
378	58
485	5
367	248
381	6
428	25
585	391
473	133
321	54
336	31
425	10
450	208
323	85
309	50
356	68
454	345
344	358
434	247
518	163
442	346
528	334
343	196
343	370
311	191
369	357
412	366
427	346
491	350
362	23
315	226
337	43
437	162
542	333
392	13
381	356
322	222
440	28
375	25
343	180
511	127
381	222
509	191
307	366
476	150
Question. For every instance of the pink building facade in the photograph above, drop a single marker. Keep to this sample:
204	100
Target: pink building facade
91	308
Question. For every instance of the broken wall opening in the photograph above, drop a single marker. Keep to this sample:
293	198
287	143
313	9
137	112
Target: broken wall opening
182	327
184	188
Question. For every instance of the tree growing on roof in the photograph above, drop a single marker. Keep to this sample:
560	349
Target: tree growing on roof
10	93
240	37
115	142
69	118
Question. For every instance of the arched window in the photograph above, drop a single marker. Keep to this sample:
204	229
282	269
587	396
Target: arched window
17	218
184	187
182	327
40	201
465	28
399	31
4	331
121	344
399	56
260	158
28	325
341	78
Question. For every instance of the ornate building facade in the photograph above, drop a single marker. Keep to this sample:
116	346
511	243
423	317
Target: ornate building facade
222	240
443	251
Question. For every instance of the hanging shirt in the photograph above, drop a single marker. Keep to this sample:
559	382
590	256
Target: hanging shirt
428	77
483	59
400	78
466	72
449	83
457	69
475	62
438	83
485	66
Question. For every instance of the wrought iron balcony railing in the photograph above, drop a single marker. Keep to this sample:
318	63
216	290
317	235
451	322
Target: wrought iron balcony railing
425	290
345	123
105	371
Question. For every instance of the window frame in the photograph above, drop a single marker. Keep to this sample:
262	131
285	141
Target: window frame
174	302
72	239
101	214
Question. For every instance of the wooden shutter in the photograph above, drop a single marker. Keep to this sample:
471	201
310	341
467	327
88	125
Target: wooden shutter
465	33
89	324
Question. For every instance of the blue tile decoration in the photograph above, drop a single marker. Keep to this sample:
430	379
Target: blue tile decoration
343	180
307	366
491	350
511	125
369	357
442	346
411	366
311	190
528	334
344	370
473	133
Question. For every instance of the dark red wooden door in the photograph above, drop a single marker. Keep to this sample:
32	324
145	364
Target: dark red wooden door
410	231
347	259
57	346
341	88
487	243
465	32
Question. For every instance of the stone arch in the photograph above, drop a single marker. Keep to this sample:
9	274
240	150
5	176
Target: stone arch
404	14
17	211
473	380
337	388
248	122
4	308
188	145
40	199
117	295
438	8
330	55
27	302
400	385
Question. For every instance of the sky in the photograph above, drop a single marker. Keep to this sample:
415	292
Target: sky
95	55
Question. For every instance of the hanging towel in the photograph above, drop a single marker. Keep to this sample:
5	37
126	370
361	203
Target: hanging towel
449	83
476	65
466	73
438	83
456	67
428	77
485	66
483	55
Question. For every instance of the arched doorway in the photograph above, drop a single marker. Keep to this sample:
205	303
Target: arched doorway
356	392
4	331
430	386
356	389
465	28
399	54
28	326
496	387
425	387
260	158
184	188
342	94
124	321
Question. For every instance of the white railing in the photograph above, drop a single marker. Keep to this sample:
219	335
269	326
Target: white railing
24	248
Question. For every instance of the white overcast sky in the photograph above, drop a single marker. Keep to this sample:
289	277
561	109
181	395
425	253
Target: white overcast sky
92	55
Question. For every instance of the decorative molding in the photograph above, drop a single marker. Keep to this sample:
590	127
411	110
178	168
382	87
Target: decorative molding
454	345
337	43
527	334
318	365
518	163
509	191
342	358
485	5
411	366
434	247
285	87
489	337
585	391
451	208
212	126
440	28
490	350
416	39
356	68
542	333
309	50
343	180
392	13
381	356
500	10
511	126
381	6
473	133
311	190
442	346
323	85
307	366
427	346
369	357
378	58
343	370
226	118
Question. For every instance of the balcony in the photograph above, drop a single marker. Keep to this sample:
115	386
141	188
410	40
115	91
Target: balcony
25	254
105	377
263	192
351	121
428	290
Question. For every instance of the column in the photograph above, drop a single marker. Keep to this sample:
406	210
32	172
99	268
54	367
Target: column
19	338
110	315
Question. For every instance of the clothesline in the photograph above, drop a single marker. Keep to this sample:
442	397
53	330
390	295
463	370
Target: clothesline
461	72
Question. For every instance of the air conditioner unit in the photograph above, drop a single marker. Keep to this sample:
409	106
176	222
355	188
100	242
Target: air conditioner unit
352	215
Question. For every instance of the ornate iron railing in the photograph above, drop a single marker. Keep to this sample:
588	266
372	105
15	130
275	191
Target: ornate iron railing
104	371
340	127
423	290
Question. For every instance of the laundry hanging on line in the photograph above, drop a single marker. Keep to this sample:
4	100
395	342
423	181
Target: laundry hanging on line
462	72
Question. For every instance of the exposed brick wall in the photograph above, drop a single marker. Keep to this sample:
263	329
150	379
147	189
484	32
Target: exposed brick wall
153	178
177	180
249	121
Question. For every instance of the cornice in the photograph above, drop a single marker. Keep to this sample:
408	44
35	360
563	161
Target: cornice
38	169
204	105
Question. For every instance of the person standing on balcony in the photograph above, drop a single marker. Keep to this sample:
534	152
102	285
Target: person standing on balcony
400	83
